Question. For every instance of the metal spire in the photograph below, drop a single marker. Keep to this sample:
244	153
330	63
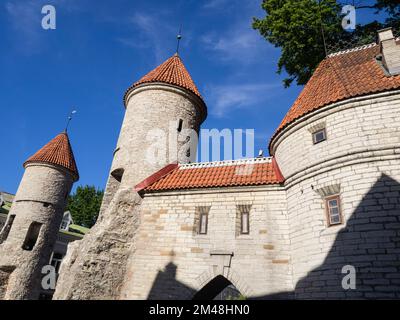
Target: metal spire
69	120
179	37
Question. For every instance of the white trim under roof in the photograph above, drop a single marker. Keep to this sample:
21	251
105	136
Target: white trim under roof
225	163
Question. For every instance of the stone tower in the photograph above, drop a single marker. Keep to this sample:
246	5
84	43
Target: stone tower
35	217
159	109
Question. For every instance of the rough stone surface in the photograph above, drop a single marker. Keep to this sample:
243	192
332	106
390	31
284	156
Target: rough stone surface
151	118
291	252
94	267
173	261
360	160
41	198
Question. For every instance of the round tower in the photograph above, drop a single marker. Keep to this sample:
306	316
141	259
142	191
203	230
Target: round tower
338	148
160	108
34	220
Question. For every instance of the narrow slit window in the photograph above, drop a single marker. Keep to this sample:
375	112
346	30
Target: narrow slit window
179	125
333	210
319	136
203	223
202	218
32	236
244	223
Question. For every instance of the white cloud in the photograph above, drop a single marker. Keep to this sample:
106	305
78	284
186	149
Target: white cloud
25	18
225	98
153	31
212	4
240	43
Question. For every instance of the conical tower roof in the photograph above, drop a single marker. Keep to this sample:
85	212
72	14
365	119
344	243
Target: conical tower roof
172	71
57	152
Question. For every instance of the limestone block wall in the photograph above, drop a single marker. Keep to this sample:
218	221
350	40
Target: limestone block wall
352	127
360	161
41	198
152	113
173	261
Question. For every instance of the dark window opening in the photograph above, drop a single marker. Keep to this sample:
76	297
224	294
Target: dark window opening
117	174
319	136
179	125
32	236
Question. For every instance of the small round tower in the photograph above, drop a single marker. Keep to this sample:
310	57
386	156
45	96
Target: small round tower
34	220
160	108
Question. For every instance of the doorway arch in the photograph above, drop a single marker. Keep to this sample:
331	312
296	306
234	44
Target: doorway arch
218	285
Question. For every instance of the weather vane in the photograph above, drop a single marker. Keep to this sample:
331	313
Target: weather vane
179	37
69	119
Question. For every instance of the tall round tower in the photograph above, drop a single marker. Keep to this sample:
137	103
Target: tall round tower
33	223
160	108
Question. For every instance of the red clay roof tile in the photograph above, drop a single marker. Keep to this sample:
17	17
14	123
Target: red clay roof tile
259	171
172	72
338	77
58	152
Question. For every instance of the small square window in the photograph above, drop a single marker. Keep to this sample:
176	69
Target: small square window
319	136
333	210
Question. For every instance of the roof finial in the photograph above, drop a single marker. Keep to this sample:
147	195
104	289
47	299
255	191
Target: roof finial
69	120
179	37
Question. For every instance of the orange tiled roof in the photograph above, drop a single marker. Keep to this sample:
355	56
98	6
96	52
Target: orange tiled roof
172	72
259	171
341	76
59	152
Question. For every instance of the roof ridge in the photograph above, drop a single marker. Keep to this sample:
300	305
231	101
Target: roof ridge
362	47
225	163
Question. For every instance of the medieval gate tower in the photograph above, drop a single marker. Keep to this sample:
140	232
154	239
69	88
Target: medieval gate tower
165	102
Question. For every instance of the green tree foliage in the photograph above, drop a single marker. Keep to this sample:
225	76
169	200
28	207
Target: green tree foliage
300	27
84	205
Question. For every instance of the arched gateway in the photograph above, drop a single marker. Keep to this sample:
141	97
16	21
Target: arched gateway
219	288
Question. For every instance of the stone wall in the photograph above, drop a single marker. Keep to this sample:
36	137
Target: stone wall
94	267
173	261
151	117
40	199
352	127
360	160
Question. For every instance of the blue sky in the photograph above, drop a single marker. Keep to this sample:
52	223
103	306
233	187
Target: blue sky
101	47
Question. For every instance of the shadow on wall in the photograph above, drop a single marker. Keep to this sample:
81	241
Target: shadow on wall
166	287
370	242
